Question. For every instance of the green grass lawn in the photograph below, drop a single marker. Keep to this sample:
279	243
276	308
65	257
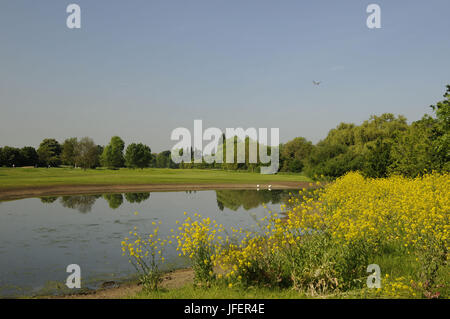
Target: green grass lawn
32	177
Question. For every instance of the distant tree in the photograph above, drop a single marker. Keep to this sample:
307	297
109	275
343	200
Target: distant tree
29	156
86	153
294	153
153	161
138	156
1	157
68	151
100	150
49	152
112	156
163	159
11	156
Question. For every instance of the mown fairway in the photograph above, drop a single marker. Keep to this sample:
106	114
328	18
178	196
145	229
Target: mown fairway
35	177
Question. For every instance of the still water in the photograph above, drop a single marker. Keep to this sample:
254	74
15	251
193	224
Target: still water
40	237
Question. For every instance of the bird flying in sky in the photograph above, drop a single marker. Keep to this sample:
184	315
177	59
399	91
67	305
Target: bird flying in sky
317	82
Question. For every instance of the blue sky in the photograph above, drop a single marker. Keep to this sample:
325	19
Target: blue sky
139	69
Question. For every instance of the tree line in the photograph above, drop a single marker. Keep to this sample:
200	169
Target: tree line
381	146
84	153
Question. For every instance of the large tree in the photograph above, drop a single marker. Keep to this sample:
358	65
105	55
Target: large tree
49	152
29	156
11	156
138	156
86	153
68	151
112	156
294	153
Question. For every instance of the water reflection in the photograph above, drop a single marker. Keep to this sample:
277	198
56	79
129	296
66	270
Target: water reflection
114	200
231	199
136	197
248	199
82	203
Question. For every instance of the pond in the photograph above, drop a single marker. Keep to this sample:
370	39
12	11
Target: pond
40	237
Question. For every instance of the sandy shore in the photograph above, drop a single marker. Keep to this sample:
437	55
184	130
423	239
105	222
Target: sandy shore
170	280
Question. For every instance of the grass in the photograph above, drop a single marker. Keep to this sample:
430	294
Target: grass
35	177
219	292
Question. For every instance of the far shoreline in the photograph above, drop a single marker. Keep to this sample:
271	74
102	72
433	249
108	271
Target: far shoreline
83	189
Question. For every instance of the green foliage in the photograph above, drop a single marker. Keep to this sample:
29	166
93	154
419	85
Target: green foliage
114	200
333	160
164	160
137	197
68	151
138	156
441	136
112	156
412	154
29	156
11	156
294	153
49	152
378	159
86	153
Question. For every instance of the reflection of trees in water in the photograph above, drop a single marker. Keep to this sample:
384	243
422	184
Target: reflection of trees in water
48	199
114	200
82	203
136	197
248	199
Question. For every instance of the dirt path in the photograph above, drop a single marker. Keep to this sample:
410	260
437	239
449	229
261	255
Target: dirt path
58	190
171	280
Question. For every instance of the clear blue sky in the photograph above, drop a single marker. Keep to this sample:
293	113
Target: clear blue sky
139	69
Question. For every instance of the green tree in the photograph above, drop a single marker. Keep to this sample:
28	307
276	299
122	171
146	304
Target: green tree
11	156
294	153
112	156
29	156
68	151
413	153
138	156
378	159
347	147
441	131
49	152
86	153
163	159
